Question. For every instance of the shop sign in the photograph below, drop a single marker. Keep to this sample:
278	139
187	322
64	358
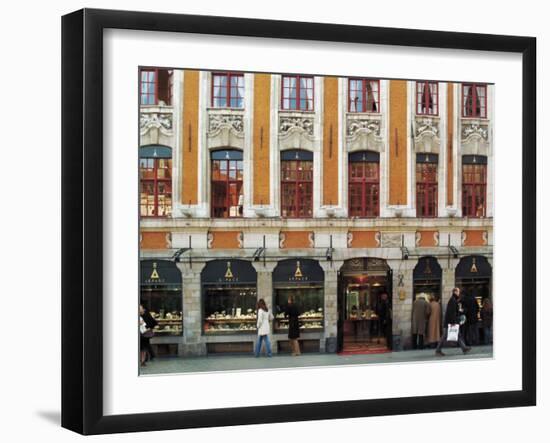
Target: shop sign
159	272
298	271
228	272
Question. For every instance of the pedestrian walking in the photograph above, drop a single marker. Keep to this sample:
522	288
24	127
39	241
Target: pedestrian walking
471	310
487	321
293	326
264	318
451	319
383	310
420	314
434	322
146	326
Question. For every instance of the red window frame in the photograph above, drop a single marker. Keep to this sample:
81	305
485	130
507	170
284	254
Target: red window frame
156	182
363	98
162	86
230	90
309	103
424	97
364	188
296	188
474	105
474	190
426	189
226	188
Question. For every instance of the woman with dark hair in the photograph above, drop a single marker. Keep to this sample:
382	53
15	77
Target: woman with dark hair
293	326
146	325
263	319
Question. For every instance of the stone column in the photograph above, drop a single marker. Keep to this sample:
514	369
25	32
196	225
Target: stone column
402	300
331	305
265	288
192	315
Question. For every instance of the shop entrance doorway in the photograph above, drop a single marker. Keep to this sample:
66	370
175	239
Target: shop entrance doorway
364	306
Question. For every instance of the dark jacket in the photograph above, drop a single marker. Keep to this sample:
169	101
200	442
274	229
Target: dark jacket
293	322
470	307
487	314
451	314
149	320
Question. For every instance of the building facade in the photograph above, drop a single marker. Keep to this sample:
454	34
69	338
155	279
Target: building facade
330	190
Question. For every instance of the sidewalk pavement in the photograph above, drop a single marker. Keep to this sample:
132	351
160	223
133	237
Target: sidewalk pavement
178	365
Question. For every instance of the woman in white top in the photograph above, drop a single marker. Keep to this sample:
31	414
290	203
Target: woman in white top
264	318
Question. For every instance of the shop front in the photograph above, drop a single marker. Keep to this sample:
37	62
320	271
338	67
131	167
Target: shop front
473	275
364	306
228	299
427	279
161	295
302	280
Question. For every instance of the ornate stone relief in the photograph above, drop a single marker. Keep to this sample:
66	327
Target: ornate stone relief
311	238
209	239
240	239
426	135
282	238
364	133
350	239
217	122
158	120
474	137
391	240
168	239
287	124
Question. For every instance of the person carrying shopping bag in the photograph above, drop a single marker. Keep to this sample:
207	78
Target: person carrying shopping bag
264	317
452	323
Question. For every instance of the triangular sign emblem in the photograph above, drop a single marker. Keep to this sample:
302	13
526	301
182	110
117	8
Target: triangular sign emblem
154	274
474	267
228	273
298	272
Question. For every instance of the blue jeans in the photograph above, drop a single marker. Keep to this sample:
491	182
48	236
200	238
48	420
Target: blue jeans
258	348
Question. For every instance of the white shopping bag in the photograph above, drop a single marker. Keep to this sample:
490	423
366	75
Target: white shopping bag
452	332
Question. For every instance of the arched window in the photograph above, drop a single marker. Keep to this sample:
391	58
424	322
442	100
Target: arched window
296	184
364	184
227	183
474	185
155	176
426	185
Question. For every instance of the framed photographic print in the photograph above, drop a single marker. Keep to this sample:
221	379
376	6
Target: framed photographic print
342	215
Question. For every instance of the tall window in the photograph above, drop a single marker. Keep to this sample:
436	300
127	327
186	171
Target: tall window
296	184
474	100
155	86
155	174
364	184
474	186
297	93
363	95
426	98
227	184
227	90
426	185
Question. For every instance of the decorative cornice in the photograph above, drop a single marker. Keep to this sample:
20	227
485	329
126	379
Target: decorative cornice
366	125
426	125
159	120
475	129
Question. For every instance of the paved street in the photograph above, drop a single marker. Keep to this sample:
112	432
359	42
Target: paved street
238	363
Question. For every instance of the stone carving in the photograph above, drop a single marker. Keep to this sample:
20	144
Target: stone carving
350	239
282	238
168	239
368	126
436	238
209	240
160	120
475	129
231	121
377	239
240	239
463	237
485	238
287	124
311	238
417	238
429	125
391	240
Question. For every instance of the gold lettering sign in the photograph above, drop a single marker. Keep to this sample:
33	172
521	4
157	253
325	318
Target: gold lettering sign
154	274
298	273
228	273
474	267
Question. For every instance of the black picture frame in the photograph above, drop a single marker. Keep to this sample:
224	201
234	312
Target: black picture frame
82	218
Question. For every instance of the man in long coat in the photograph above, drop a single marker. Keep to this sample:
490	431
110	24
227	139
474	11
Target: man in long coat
420	314
451	318
434	322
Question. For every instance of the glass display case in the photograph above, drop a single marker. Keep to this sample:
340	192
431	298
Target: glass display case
229	310
310	303
165	305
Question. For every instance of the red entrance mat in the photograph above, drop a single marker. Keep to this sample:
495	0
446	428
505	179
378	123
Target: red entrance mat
364	350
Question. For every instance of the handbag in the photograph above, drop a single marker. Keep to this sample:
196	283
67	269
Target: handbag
452	332
148	334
